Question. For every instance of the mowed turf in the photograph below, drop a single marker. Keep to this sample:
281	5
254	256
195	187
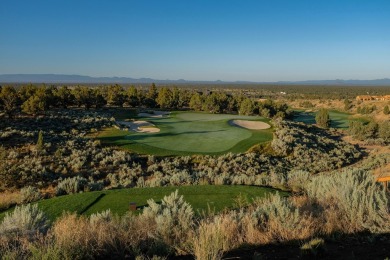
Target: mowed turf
200	197
337	119
185	133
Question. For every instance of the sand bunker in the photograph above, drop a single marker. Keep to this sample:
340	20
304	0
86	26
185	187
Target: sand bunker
156	114
139	126
254	125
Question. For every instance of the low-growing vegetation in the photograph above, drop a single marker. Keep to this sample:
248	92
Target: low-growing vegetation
171	228
60	150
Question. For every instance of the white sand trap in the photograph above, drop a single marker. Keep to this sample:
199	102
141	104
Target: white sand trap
140	126
254	125
156	114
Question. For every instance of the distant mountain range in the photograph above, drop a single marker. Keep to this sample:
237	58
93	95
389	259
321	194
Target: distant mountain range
80	79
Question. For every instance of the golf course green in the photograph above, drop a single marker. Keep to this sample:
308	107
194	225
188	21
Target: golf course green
200	197
186	133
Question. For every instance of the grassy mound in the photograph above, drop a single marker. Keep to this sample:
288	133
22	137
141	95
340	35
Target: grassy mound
185	133
200	197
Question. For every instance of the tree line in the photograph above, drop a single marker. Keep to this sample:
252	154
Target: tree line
35	100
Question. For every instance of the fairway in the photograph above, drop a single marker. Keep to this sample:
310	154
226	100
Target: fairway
337	119
184	133
200	198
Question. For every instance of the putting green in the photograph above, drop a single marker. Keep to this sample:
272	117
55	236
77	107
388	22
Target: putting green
184	133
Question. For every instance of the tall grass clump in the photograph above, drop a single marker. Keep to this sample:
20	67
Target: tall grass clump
8	199
353	201
24	220
173	218
215	236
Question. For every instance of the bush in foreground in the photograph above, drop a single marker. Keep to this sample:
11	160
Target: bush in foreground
24	220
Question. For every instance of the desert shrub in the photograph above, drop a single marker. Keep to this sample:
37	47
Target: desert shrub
71	185
8	199
353	201
14	246
311	149
280	220
297	180
155	257
313	247
215	236
322	118
74	235
100	236
173	218
24	220
29	194
101	216
306	104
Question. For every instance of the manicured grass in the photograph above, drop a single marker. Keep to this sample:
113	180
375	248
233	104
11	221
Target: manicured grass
338	119
72	203
186	133
200	197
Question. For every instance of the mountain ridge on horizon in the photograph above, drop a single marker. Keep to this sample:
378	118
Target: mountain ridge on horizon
82	79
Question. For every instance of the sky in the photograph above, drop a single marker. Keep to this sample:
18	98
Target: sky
274	40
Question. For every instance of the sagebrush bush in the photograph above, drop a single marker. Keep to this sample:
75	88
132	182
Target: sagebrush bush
280	220
297	180
105	216
24	220
353	199
174	219
29	194
215	236
71	185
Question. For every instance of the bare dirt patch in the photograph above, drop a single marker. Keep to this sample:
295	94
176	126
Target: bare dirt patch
253	125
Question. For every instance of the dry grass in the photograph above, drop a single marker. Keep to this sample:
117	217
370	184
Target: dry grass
78	237
215	236
8	199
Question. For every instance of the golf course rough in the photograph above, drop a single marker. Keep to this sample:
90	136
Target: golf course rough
186	133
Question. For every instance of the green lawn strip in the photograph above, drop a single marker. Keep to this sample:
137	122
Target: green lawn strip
55	207
201	197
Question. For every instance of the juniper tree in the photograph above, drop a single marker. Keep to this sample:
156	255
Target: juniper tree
386	110
40	141
322	118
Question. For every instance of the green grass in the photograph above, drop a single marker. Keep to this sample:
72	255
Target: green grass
200	197
186	133
337	119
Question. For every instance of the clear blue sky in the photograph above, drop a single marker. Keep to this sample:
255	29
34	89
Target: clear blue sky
197	40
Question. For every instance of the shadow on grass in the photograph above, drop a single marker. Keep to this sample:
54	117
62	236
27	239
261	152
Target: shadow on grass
138	137
92	203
